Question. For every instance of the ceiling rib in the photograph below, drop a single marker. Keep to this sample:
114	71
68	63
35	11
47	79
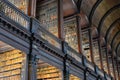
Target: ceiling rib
110	28
79	2
117	47
105	15
93	10
114	37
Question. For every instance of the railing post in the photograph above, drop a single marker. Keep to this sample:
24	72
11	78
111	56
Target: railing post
65	65
32	67
105	76
98	77
85	71
25	68
32	70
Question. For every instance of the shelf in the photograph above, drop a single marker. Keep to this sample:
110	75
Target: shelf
70	29
72	77
47	72
12	58
10	76
11	65
47	14
57	77
10	70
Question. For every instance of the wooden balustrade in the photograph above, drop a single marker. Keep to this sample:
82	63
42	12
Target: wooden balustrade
13	13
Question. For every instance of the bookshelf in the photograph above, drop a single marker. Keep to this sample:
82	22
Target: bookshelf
21	4
96	53
104	60
47	14
70	30
110	65
48	72
72	77
11	65
86	45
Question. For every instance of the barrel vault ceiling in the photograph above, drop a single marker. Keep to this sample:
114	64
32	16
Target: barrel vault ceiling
104	15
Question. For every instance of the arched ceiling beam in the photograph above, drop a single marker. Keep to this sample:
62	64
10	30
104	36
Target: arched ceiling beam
117	33
105	16
117	47
93	10
110	28
79	2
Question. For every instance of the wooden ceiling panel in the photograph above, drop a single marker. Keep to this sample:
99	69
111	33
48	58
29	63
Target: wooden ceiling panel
111	40
109	20
104	6
113	32
116	43
116	40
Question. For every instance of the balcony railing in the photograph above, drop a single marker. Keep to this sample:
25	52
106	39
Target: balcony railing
9	10
77	56
100	72
38	29
89	64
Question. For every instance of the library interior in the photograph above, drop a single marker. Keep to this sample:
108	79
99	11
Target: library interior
59	39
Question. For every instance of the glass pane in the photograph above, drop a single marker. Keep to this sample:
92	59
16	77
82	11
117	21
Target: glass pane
47	14
47	72
70	30
21	4
86	45
96	53
72	77
12	63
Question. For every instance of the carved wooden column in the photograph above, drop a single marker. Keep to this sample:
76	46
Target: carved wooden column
60	20
91	45
79	32
32	8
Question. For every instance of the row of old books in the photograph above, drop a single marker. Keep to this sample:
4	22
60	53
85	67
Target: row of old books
48	73
11	64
